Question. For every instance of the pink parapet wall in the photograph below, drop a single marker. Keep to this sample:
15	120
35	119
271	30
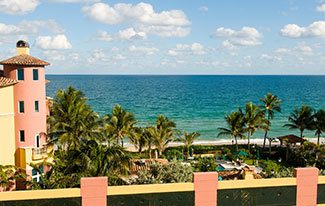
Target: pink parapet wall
205	186
29	91
307	180
94	191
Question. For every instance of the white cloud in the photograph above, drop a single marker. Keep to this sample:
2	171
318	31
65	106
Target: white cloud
8	29
96	55
142	17
54	55
74	1
30	27
18	7
204	9
270	58
53	43
316	29
143	50
104	36
131	34
247	36
321	8
119	57
195	48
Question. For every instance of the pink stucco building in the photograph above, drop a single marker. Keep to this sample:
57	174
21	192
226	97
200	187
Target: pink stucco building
29	105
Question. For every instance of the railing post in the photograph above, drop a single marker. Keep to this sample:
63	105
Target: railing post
307	180
94	191
205	187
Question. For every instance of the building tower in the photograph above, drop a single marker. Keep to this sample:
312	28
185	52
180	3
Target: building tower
30	109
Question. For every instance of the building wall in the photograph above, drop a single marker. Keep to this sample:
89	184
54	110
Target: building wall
29	91
7	126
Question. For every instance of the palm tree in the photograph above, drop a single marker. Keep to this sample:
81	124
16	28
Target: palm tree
120	124
162	133
188	139
318	124
72	119
139	138
301	119
254	119
236	126
271	104
91	159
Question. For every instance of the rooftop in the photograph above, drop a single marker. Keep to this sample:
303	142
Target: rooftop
4	82
24	60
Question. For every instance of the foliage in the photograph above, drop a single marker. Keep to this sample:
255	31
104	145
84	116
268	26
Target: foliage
91	159
173	153
72	119
236	126
120	124
205	164
273	169
307	155
318	124
301	119
271	104
188	139
173	172
254	120
162	133
8	175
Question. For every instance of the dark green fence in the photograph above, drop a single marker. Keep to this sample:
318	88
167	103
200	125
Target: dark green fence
157	199
263	196
321	194
44	202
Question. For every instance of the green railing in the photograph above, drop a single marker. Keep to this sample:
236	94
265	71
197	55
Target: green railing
321	194
266	196
156	199
74	201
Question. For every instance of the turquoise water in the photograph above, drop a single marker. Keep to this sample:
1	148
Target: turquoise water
195	103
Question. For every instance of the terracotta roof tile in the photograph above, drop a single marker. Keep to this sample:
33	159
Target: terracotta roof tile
24	60
4	82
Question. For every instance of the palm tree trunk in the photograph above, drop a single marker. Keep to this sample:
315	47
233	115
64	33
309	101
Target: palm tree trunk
122	142
270	147
149	150
301	133
266	132
188	152
318	138
264	142
236	145
248	140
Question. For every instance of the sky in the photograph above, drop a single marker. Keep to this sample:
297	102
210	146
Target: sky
169	36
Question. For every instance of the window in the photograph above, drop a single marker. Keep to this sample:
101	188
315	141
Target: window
36	176
21	107
20	74
22	135
36	106
35	74
37	141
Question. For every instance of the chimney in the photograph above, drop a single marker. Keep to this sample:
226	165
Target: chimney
22	47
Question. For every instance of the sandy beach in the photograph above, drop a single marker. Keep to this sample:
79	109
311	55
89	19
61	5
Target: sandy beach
131	147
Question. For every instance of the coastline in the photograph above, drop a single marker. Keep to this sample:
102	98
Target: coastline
226	142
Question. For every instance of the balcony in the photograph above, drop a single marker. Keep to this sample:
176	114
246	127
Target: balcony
39	153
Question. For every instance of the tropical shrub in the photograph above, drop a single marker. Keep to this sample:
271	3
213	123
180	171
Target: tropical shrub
205	164
172	172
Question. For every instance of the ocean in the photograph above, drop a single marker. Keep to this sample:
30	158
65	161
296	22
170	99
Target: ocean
194	102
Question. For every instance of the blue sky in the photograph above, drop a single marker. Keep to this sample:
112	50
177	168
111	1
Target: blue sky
170	36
